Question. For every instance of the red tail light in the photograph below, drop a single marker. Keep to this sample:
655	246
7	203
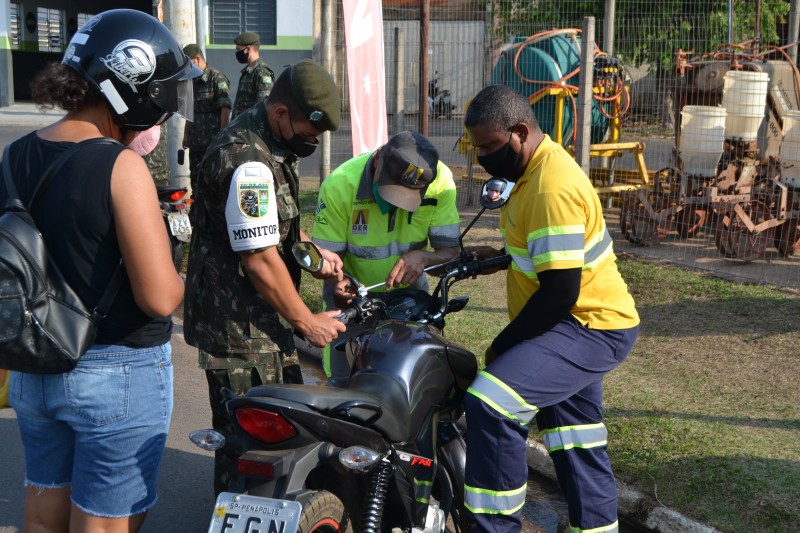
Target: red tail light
265	426
177	195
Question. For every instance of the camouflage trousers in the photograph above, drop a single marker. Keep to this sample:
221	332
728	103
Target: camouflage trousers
261	370
195	157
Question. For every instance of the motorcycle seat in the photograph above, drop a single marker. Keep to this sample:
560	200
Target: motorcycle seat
376	390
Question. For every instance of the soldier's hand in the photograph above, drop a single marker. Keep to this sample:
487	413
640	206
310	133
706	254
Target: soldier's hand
323	328
332	266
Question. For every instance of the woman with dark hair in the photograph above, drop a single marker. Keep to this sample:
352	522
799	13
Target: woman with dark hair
94	436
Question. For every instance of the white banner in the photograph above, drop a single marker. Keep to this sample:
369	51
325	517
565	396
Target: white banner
363	33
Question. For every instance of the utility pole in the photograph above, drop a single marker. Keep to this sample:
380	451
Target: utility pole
328	63
794	24
6	64
424	44
584	108
200	25
179	17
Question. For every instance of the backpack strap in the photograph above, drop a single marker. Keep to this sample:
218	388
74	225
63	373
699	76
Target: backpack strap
104	304
14	201
16	204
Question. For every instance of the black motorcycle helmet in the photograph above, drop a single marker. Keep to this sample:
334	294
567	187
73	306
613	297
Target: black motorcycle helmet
137	65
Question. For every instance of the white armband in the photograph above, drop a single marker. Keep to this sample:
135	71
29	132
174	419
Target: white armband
251	211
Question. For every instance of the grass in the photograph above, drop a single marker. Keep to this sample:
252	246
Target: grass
704	416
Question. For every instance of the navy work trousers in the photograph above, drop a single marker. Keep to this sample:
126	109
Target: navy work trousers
557	379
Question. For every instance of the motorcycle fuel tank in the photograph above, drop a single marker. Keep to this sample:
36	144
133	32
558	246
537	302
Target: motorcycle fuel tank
428	367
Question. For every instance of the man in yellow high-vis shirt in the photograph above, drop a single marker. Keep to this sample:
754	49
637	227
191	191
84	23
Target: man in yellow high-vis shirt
572	321
389	214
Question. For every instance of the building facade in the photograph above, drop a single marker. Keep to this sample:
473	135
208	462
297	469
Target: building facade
35	32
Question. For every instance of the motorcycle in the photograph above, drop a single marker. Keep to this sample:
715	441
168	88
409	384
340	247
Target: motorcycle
174	207
439	101
384	453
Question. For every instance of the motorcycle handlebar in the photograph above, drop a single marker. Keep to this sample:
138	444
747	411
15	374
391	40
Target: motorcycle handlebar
347	314
494	262
362	308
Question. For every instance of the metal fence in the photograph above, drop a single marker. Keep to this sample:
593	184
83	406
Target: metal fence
692	168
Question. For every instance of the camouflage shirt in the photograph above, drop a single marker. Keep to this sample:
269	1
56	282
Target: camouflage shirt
212	92
254	85
223	313
157	160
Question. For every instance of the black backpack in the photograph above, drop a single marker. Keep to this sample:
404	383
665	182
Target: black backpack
44	327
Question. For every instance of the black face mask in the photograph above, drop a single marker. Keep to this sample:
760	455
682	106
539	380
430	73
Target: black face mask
298	145
242	55
503	162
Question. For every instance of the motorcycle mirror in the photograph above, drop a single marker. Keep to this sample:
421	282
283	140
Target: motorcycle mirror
457	304
307	255
495	193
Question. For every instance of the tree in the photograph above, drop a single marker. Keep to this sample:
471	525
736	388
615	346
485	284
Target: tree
647	32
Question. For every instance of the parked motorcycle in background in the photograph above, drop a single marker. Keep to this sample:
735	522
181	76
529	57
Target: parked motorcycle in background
439	100
384	453
174	208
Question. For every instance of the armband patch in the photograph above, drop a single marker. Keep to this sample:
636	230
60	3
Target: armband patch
251	212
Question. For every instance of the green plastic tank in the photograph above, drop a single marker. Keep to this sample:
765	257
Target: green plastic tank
548	60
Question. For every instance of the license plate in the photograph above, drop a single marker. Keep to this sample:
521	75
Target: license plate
179	224
241	513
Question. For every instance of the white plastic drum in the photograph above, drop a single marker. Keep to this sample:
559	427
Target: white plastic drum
744	95
702	139
790	150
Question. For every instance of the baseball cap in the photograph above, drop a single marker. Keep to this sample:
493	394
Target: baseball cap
406	166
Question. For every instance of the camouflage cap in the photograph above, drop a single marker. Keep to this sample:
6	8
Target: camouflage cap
316	95
247	38
192	51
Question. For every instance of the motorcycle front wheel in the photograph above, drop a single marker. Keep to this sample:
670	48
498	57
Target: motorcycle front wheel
324	513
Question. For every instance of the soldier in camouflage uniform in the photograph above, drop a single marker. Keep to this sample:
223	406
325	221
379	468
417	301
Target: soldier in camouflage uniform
241	300
212	109
256	79
157	160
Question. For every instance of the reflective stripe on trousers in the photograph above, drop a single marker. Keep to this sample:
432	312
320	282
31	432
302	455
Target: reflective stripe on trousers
557	379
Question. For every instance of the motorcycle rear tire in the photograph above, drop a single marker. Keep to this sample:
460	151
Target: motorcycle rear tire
324	513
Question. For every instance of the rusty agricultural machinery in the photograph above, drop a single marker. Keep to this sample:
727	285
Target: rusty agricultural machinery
748	196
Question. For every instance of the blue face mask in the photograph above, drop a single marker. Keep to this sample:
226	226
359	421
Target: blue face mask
383	205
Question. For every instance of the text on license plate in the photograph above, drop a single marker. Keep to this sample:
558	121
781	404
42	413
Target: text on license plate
241	513
179	224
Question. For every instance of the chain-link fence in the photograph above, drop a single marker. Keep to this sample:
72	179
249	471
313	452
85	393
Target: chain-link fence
693	150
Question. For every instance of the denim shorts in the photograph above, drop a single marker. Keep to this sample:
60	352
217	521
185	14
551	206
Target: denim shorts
100	428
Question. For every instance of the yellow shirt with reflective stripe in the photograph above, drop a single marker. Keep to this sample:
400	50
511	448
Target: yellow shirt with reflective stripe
554	220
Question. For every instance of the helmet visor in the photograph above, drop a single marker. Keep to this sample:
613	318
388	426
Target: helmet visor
175	94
